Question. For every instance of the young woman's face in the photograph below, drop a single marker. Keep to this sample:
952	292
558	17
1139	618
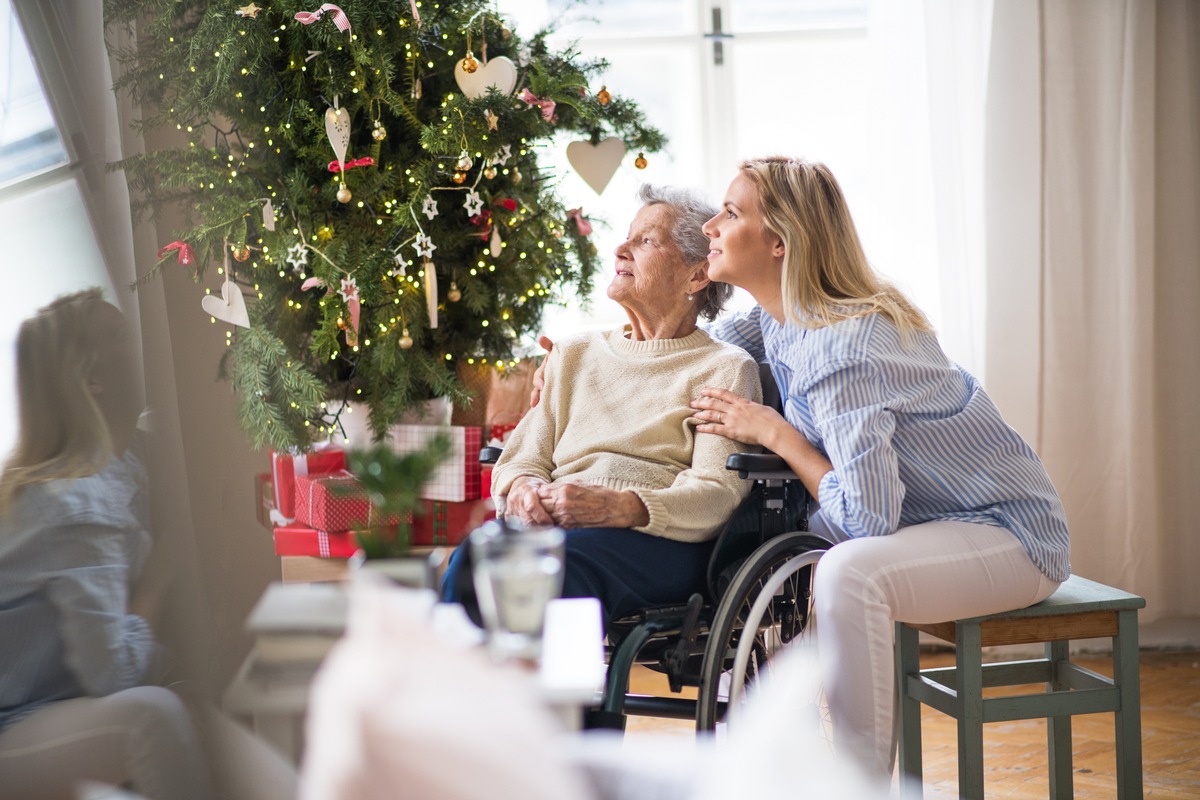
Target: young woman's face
741	251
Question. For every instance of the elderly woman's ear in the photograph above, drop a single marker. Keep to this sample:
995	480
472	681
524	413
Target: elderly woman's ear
699	279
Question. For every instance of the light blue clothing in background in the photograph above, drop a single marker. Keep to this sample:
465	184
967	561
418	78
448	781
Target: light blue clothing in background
69	554
911	435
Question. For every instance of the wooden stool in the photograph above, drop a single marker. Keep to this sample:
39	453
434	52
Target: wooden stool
1079	609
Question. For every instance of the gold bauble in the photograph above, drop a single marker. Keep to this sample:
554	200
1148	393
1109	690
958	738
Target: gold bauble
324	233
489	172
464	162
240	252
469	64
406	341
603	97
459	177
343	194
454	295
557	233
341	323
378	133
517	177
640	162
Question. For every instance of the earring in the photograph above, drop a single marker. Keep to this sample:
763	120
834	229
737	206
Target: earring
690	298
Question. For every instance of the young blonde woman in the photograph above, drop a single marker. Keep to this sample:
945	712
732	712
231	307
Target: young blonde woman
77	646
939	508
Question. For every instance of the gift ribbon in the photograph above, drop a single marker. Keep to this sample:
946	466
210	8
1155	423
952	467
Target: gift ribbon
507	203
366	161
581	222
185	254
416	14
339	17
547	106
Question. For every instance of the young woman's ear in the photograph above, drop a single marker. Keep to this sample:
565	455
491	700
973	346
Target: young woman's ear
779	250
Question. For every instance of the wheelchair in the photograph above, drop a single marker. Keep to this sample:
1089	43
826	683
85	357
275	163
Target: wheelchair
759	598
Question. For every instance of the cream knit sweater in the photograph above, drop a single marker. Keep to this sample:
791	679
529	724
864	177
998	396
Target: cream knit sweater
614	413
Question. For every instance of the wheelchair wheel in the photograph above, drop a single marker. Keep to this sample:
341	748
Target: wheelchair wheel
787	617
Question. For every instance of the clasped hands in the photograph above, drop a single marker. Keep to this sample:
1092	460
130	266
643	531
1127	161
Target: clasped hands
535	501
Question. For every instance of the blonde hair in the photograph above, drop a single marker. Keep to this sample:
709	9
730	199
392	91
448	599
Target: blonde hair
62	432
826	276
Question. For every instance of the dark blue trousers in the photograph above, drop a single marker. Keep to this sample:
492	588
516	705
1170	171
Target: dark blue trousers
625	569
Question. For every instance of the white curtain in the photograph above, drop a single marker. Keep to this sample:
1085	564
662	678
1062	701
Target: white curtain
1094	276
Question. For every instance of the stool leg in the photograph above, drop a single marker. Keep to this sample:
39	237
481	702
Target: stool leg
1058	729
969	669
908	662
1129	715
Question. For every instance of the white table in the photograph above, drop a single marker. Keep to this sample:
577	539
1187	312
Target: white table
274	696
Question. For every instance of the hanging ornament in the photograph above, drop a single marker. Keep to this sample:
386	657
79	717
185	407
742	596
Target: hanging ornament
493	120
596	162
337	128
499	72
459	177
468	64
640	162
464	162
495	245
240	252
401	263
454	295
429	207
229	307
489	172
297	256
324	234
378	133
517	177
557	233
424	245
248	12
341	323
406	341
473	204
416	90
502	155
268	215
343	194
431	290
603	97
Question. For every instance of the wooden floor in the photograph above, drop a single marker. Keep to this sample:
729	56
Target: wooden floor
1015	752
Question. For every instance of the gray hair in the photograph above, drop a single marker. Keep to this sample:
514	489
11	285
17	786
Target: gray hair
691	212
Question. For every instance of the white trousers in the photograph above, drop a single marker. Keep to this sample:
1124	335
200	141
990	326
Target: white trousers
934	572
141	737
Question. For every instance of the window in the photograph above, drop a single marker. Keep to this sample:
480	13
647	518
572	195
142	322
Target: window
731	79
50	246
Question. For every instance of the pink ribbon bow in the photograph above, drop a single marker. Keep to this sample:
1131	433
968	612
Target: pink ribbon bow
547	106
349	293
366	161
185	254
339	17
581	222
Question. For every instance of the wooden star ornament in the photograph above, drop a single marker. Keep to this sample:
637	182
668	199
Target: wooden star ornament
250	11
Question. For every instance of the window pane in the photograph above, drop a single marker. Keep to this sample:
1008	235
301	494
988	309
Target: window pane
623	17
776	15
29	140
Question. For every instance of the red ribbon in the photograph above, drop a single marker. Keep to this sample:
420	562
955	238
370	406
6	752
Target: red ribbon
366	161
581	222
185	255
339	17
483	221
507	203
547	106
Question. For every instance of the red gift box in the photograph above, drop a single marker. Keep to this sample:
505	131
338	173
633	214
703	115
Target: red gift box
285	467
335	502
445	523
300	540
455	480
485	482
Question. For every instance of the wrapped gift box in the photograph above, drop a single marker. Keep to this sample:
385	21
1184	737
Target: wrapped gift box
301	540
335	502
445	523
455	480
285	467
485	482
264	492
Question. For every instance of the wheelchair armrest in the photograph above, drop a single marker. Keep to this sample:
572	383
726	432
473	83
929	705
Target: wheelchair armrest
760	466
490	455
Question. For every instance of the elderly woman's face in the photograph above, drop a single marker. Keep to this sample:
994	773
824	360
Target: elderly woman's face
651	273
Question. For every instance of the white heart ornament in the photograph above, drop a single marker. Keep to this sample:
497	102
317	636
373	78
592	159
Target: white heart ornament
499	72
596	163
229	307
337	128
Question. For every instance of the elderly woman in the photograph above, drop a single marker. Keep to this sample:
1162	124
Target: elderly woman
608	454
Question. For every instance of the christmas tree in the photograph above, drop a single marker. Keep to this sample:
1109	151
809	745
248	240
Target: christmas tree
367	176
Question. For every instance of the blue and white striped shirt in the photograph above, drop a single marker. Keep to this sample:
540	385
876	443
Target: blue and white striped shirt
912	436
69	552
